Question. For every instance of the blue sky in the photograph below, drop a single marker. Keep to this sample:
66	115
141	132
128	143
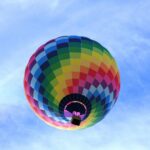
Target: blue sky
123	27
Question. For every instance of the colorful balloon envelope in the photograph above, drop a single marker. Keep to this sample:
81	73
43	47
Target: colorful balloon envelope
71	82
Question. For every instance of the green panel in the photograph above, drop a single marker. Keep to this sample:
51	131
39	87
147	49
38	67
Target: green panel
45	83
87	44
47	71
51	76
63	50
75	55
86	51
65	62
56	65
53	60
64	56
57	72
54	82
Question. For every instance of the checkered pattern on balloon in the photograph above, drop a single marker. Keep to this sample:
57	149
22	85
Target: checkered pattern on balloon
71	76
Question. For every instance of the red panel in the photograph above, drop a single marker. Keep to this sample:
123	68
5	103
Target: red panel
83	76
101	72
75	82
110	75
92	72
84	69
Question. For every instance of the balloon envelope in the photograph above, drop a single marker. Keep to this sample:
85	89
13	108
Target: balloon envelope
71	82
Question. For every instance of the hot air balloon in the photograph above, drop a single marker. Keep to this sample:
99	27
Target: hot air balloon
71	82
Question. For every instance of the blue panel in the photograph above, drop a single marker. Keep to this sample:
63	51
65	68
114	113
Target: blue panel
100	89
37	85
102	95
35	95
42	60
47	110
41	105
107	99
89	94
106	90
49	45
33	81
74	37
62	39
84	92
50	49
96	93
92	89
37	73
34	68
40	98
41	55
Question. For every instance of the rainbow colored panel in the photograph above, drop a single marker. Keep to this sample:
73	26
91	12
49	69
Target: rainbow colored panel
71	65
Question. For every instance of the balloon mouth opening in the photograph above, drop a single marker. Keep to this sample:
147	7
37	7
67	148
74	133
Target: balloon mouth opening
75	108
